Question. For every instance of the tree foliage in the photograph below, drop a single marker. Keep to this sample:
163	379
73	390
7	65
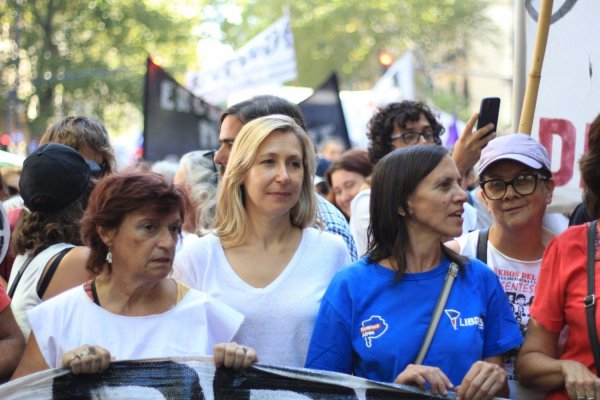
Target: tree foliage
346	36
88	56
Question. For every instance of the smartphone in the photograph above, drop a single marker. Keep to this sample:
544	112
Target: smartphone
488	112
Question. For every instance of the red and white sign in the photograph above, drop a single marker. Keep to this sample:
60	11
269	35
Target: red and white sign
569	94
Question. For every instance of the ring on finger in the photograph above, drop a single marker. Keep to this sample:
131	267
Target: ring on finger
84	353
243	348
75	357
92	350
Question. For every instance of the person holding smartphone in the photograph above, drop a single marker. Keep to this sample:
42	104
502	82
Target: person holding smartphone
406	124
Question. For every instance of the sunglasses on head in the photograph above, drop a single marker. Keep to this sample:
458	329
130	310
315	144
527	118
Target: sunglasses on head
210	155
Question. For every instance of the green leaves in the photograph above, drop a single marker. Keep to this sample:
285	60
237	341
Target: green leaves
347	35
89	56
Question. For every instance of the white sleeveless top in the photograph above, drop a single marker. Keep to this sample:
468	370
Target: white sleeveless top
191	328
26	296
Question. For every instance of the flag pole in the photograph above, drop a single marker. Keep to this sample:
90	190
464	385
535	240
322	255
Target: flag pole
520	63
533	83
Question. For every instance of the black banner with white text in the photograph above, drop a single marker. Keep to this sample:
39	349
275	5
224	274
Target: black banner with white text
197	378
175	121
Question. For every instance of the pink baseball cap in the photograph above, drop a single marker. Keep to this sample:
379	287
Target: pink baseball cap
518	147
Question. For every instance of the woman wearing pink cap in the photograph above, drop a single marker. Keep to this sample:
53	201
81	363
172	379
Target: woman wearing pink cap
517	186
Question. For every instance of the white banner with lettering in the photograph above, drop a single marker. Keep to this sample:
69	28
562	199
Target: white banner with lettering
569	94
266	59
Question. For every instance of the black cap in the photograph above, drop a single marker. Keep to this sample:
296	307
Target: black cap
53	176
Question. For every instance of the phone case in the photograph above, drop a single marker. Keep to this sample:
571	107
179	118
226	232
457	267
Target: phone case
488	113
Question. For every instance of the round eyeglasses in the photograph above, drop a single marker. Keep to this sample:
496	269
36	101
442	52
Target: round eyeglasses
412	137
524	184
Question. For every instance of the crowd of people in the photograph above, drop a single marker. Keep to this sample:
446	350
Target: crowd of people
392	276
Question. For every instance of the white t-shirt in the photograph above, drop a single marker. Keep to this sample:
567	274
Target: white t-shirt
280	317
518	279
25	296
359	219
191	328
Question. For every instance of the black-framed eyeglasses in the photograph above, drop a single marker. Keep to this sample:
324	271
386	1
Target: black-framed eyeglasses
412	137
524	184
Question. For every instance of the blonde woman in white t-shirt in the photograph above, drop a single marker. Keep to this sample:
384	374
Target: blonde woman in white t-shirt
266	259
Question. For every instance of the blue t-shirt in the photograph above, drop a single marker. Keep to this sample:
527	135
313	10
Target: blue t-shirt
372	327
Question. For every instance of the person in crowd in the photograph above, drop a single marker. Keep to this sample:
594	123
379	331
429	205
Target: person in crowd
167	168
375	313
131	309
266	259
347	176
331	149
3	188
88	137
232	121
12	341
10	176
55	186
568	371
517	186
198	176
406	124
580	215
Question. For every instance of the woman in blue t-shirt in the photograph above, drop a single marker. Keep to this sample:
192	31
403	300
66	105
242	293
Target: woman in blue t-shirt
375	313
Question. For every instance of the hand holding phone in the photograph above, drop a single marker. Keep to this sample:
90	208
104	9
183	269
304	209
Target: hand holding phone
488	113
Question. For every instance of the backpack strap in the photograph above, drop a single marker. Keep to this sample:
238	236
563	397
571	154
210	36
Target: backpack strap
590	300
50	272
482	243
13	288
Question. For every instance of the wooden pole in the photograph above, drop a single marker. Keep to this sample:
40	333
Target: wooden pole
520	63
533	83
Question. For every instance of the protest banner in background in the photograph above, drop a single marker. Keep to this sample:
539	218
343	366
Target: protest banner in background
197	378
569	94
266	59
175	121
324	115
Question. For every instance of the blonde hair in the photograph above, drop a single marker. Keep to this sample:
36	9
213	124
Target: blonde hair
231	221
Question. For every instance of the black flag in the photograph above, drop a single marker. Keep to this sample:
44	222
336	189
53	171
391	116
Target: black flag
324	115
175	121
